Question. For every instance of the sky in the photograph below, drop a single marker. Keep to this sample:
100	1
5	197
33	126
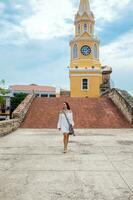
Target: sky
35	35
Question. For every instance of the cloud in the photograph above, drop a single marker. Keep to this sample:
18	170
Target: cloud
109	10
11	33
118	55
34	39
50	19
44	19
119	52
34	62
2	8
37	19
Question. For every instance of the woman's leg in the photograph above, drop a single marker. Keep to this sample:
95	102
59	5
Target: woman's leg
65	141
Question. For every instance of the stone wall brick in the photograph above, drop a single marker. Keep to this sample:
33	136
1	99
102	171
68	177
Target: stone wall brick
124	101
8	126
23	108
18	115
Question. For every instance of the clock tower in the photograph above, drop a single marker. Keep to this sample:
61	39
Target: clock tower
85	66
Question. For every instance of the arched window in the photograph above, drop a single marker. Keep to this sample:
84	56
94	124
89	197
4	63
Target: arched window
75	51
95	51
85	28
79	29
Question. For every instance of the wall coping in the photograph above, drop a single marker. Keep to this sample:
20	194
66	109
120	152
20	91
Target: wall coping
125	96
8	121
126	102
8	126
22	109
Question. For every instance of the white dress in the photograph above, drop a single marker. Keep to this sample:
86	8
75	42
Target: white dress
62	122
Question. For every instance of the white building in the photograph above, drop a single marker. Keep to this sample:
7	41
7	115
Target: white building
41	91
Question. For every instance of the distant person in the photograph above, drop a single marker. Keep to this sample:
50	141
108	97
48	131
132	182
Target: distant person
65	119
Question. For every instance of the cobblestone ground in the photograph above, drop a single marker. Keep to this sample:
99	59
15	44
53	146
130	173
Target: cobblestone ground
98	165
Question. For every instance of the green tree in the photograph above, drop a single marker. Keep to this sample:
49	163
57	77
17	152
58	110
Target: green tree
3	92
2	87
2	100
2	82
15	101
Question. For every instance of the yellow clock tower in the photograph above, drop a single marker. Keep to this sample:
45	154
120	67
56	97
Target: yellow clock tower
85	66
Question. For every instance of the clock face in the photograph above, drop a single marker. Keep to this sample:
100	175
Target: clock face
85	50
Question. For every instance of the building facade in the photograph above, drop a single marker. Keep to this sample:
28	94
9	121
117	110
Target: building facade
40	91
85	66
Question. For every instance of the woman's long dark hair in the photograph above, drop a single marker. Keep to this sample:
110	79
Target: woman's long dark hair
68	106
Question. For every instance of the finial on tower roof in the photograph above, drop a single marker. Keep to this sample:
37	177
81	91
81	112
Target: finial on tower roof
84	7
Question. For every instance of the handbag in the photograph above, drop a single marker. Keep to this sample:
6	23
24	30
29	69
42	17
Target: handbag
71	130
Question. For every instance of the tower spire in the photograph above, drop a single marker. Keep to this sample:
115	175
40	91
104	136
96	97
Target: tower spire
84	7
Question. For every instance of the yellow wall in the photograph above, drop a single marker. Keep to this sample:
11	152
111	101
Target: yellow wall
76	85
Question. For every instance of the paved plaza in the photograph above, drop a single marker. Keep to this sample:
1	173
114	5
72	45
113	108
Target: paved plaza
98	165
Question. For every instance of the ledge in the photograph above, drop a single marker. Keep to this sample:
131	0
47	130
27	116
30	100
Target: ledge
124	101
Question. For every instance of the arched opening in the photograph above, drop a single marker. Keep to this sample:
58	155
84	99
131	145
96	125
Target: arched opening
75	51
85	28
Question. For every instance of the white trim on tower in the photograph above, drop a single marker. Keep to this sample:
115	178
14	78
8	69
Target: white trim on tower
85	75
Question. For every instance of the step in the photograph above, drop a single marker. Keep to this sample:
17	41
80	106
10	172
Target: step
87	112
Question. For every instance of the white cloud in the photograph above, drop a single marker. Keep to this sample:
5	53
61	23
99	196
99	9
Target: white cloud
11	33
18	6
108	10
119	53
49	19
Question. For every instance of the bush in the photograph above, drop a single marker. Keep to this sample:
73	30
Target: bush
2	98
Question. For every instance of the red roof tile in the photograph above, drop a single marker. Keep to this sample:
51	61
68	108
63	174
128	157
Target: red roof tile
32	87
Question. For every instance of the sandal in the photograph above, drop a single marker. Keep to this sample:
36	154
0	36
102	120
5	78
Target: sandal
65	151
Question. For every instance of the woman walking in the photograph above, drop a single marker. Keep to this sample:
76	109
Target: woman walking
63	124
